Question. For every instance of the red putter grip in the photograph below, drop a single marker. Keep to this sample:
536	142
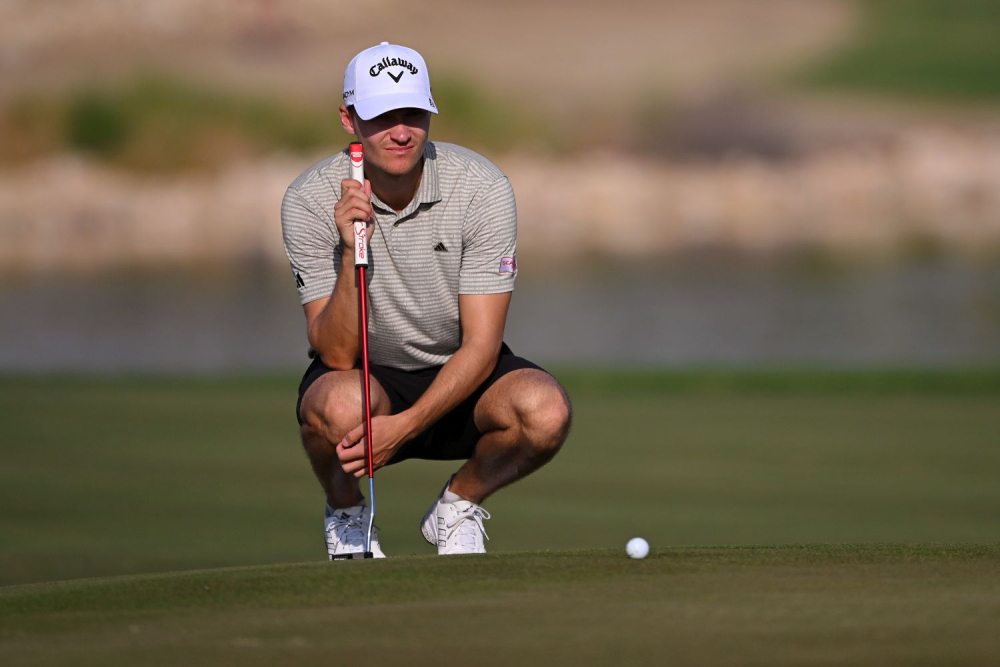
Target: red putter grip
360	233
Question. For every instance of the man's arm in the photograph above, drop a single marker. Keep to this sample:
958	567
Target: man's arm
483	318
332	322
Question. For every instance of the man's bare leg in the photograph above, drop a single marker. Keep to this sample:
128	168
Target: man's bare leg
524	418
330	408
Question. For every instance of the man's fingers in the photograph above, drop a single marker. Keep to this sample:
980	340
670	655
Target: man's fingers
355	208
356	468
356	199
353	189
355	212
349	450
349	184
352	447
353	452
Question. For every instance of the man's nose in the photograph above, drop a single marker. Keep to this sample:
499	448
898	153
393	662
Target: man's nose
400	133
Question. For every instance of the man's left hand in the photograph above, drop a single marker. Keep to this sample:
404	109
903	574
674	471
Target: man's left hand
390	431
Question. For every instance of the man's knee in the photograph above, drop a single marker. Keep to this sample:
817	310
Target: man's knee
330	415
546	415
335	407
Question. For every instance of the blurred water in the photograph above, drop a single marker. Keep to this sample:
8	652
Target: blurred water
692	314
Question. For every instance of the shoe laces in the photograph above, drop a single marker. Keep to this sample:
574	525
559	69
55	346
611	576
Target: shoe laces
353	528
465	523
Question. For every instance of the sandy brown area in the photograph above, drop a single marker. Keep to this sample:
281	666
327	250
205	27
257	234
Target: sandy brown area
940	185
587	52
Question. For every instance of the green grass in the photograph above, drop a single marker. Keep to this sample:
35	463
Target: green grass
936	49
842	604
881	485
154	122
158	123
788	381
106	476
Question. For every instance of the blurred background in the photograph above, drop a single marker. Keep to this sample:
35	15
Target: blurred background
803	184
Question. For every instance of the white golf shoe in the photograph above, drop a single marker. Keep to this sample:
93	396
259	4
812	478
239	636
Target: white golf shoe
345	530
455	527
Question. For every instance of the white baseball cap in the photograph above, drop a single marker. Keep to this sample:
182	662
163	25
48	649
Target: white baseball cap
387	77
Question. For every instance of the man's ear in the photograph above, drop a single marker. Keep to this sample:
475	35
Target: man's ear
347	119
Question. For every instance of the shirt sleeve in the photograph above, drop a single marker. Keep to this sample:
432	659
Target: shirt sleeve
312	244
489	242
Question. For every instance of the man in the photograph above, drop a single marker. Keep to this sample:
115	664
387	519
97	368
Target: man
442	237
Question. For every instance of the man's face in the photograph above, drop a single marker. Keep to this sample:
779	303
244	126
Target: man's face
393	142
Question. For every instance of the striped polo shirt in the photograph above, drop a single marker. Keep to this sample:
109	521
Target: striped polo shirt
457	236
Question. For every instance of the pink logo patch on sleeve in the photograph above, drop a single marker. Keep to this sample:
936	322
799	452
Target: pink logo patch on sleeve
508	265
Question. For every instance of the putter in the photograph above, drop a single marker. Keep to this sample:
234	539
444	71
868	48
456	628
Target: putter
361	252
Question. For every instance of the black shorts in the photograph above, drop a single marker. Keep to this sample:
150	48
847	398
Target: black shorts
451	438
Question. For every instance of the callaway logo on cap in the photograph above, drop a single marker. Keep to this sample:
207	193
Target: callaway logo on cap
387	77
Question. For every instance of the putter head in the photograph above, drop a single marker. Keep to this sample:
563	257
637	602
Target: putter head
357	555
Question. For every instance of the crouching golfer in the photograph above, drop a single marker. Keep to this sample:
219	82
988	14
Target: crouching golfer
444	385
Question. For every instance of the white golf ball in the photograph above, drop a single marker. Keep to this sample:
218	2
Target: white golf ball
637	548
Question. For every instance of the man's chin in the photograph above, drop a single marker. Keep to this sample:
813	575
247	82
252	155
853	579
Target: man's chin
401	166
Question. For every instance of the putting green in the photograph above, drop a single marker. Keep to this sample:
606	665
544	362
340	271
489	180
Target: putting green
110	476
792	605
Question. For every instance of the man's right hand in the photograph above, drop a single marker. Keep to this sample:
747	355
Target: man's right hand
355	204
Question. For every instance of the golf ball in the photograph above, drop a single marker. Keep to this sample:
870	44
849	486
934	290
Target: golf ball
637	548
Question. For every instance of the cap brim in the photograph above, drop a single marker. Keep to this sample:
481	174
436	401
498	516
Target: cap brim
376	106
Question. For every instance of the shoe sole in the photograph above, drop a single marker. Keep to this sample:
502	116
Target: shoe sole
357	555
350	555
